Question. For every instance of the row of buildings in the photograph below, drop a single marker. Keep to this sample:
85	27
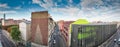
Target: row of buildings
24	26
7	22
42	25
39	29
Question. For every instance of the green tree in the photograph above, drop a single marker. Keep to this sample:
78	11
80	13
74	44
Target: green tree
0	25
15	33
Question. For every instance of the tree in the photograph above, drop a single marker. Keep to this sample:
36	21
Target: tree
15	34
0	25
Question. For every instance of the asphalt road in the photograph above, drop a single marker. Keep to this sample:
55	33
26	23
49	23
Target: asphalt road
5	41
117	36
57	39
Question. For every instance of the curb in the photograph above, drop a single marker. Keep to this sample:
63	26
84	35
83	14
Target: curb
37	45
107	42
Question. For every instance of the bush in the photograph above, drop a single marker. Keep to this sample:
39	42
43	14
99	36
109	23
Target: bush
0	26
9	29
15	33
8	26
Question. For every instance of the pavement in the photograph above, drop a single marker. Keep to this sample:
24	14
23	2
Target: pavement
37	45
110	42
5	41
57	40
117	36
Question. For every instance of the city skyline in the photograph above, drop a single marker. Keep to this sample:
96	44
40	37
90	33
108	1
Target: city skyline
92	10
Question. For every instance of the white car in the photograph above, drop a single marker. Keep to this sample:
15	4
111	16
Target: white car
1	44
115	40
118	42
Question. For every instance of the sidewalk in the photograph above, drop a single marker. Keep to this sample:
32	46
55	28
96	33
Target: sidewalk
8	35
37	45
107	42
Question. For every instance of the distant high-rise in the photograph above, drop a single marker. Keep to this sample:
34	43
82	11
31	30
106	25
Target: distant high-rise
4	16
3	21
39	27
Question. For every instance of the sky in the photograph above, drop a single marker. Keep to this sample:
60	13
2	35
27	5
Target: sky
92	10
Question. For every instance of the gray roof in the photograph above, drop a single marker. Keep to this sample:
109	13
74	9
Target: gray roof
27	22
97	24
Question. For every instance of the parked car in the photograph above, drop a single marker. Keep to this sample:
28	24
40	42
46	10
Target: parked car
115	40
118	42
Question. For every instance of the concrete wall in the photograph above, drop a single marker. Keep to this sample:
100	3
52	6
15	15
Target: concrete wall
28	33
23	30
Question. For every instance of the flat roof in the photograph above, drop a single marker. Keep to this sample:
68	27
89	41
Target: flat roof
97	24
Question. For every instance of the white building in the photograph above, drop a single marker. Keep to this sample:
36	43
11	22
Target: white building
3	22
24	27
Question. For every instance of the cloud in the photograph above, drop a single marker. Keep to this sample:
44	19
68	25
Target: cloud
18	7
91	3
88	9
4	6
36	1
45	3
70	1
2	12
69	11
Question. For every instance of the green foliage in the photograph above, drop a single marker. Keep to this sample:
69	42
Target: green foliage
0	25
79	21
8	26
15	33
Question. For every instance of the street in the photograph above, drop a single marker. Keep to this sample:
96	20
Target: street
117	36
5	41
57	39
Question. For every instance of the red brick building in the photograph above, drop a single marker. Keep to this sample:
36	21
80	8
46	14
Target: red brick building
8	22
64	28
39	27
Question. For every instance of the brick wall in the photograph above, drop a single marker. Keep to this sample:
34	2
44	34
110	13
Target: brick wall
39	27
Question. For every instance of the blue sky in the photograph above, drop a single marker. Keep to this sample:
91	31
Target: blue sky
92	10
